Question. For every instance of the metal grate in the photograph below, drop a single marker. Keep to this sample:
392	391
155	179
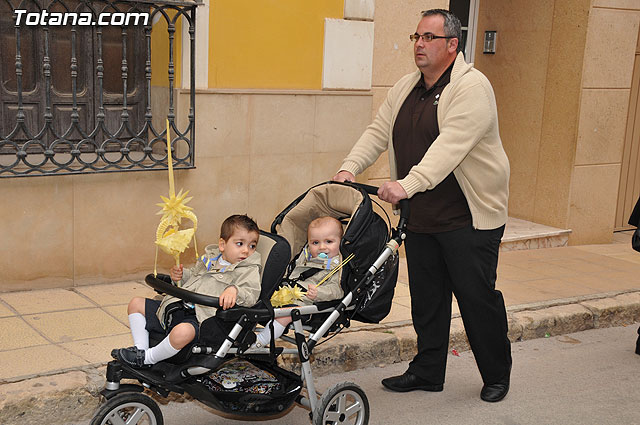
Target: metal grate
77	99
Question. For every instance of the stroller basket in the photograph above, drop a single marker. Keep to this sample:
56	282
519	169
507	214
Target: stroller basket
249	387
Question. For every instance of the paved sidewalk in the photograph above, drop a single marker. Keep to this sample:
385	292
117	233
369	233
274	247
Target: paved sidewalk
60	339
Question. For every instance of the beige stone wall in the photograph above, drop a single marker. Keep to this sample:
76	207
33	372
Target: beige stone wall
259	151
562	76
606	85
563	92
517	72
255	152
560	113
68	230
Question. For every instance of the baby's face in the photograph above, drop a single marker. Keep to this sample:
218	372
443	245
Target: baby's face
324	239
240	245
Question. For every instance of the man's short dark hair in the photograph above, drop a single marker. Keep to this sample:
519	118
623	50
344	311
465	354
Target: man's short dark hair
242	221
452	25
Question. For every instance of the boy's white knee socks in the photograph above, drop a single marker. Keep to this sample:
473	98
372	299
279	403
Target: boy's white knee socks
264	337
137	324
160	352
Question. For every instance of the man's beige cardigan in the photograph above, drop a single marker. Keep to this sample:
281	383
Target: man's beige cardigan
469	144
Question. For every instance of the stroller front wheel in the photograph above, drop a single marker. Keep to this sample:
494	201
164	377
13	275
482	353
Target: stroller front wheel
345	403
129	408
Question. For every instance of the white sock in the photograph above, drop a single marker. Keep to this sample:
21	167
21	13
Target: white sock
264	337
137	324
160	352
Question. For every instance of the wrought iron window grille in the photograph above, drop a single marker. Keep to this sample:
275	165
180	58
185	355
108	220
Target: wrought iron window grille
55	124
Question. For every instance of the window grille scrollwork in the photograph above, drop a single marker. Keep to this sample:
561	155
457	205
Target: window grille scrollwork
79	99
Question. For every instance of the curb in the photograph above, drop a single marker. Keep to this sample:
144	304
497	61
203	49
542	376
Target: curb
74	396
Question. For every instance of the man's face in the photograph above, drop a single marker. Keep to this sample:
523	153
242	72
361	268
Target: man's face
324	238
436	53
239	246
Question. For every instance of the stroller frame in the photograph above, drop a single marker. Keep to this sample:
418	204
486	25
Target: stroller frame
164	378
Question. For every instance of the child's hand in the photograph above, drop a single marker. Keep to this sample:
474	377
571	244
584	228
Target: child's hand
176	273
312	291
228	297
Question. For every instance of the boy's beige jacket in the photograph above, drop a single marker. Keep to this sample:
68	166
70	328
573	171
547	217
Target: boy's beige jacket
469	144
245	276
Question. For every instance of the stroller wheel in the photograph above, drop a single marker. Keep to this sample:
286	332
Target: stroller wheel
128	408
345	403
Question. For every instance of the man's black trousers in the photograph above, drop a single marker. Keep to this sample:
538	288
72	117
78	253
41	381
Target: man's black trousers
464	262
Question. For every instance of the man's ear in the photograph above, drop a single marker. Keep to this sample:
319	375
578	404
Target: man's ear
453	44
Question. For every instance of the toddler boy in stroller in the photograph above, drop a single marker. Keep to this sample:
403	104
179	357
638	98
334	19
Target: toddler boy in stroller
318	258
230	271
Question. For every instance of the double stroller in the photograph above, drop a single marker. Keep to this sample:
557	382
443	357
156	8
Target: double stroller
244	382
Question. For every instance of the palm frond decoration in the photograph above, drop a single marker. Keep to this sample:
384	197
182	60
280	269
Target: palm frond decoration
169	237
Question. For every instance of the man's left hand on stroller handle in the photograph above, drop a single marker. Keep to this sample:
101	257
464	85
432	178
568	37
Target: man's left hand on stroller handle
392	192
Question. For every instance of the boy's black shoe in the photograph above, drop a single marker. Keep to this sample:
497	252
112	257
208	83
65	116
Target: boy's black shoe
132	356
409	382
638	343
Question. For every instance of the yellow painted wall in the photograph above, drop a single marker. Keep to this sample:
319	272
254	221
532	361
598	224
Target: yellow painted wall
268	43
160	52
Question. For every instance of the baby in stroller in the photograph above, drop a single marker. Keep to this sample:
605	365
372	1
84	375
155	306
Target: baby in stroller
318	258
230	271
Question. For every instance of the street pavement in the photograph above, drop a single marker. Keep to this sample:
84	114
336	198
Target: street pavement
589	377
54	343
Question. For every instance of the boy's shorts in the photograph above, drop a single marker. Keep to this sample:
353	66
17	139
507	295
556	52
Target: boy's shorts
183	315
214	331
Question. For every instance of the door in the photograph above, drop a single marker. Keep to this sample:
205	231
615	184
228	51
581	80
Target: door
467	12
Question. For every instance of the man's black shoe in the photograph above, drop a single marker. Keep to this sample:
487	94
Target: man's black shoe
409	382
496	392
132	356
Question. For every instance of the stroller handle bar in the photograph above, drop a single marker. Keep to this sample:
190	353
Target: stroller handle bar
371	190
161	284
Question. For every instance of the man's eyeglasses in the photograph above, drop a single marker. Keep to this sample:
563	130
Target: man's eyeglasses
426	37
